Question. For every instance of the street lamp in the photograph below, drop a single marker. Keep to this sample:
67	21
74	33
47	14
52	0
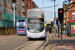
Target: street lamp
14	13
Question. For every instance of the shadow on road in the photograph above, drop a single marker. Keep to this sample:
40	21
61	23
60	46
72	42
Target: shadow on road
22	35
40	39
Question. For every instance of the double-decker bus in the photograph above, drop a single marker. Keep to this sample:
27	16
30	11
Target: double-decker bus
35	23
21	26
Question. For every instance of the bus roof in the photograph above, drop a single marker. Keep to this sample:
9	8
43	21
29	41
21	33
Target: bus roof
36	9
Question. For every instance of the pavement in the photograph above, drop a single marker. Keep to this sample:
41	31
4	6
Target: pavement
10	42
1	36
63	36
54	42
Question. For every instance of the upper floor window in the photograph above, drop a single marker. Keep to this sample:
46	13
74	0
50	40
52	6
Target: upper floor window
11	3
0	8
4	9
70	7
19	8
19	1
3	1
11	11
8	9
8	1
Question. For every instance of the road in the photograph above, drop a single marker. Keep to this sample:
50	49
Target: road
22	43
19	43
12	42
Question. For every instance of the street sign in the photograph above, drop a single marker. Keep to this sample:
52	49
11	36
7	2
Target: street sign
54	22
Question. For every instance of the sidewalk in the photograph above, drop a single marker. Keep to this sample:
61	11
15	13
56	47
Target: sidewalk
64	47
1	36
58	46
68	46
63	36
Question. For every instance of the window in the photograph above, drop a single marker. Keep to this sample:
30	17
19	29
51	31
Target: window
15	13
19	8
8	9
11	11
3	1
11	3
5	9
0	8
16	6
8	1
19	14
70	7
19	2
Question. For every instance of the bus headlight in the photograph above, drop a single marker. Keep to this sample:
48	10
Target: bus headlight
28	35
43	34
17	24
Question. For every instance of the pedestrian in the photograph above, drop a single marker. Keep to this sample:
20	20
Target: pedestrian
50	27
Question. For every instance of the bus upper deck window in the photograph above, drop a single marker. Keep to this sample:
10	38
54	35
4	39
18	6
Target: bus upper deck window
20	20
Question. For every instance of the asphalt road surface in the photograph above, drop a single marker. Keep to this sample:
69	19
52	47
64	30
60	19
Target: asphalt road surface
19	42
12	42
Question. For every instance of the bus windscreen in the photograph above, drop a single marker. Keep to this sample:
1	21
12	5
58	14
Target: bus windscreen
35	13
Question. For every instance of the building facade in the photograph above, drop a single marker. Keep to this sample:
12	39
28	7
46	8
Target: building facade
29	4
6	7
21	7
69	12
6	13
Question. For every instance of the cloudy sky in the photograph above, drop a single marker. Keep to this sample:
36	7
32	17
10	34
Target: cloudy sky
49	12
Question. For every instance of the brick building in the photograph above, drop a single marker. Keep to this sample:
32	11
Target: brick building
6	7
28	5
69	11
21	7
6	13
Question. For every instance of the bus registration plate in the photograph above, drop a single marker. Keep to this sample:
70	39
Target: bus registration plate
20	33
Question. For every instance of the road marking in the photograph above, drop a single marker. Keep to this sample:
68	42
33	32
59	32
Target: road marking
49	46
50	37
22	45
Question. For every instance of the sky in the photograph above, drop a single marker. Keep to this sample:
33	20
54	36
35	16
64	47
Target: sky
49	12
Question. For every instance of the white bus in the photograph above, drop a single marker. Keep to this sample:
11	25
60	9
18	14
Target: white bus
36	23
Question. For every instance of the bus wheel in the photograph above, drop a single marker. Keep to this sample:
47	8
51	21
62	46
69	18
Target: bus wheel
29	38
45	38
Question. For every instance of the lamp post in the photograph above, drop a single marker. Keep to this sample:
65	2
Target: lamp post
54	11
14	13
54	16
14	17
